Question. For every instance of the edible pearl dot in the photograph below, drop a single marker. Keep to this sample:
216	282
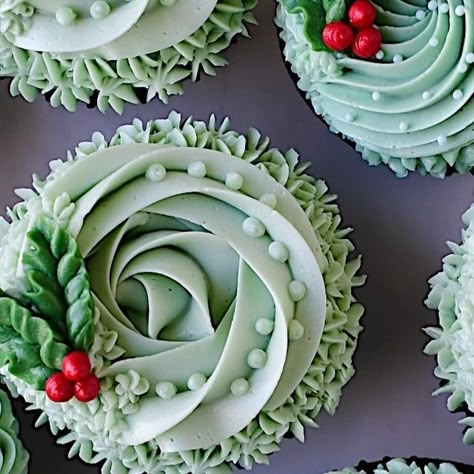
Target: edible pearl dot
65	16
426	95
432	5
444	8
297	290
99	10
442	140
349	118
376	96
239	387
166	390
197	169
380	54
257	359
278	252
470	58
420	15
460	10
156	173
398	58
253	227
295	330
403	126
234	180
458	94
269	200
462	68
434	42
196	381
264	326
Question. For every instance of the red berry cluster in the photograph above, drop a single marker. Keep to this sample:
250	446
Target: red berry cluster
75	379
339	35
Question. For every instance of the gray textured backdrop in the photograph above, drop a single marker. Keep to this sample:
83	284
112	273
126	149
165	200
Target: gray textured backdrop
400	228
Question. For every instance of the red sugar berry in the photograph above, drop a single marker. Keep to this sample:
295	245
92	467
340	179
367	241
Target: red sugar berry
76	366
362	14
338	36
367	43
59	389
87	389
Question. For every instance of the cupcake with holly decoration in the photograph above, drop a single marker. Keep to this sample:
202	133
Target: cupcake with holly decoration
107	53
175	276
392	78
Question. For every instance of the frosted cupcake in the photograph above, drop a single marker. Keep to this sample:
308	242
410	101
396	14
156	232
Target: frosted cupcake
177	276
13	456
393	78
107	53
452	297
408	466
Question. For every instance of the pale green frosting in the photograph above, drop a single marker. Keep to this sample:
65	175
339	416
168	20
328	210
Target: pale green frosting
411	108
452	295
13	456
222	286
83	50
403	466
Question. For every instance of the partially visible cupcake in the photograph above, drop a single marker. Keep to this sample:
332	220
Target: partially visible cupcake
395	79
107	53
408	466
186	295
452	296
13	456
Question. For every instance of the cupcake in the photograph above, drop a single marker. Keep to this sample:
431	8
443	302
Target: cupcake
451	296
395	79
13	456
408	466
107	53
179	275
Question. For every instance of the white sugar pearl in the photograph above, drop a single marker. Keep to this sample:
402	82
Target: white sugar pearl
442	140
460	10
444	8
99	10
398	58
65	16
197	169
403	126
434	42
420	15
376	96
426	95
458	94
432	5
462	68
239	387
349	118
470	58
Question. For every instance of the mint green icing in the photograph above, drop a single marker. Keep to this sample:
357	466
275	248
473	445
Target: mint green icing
403	466
194	320
77	52
410	108
452	297
13	456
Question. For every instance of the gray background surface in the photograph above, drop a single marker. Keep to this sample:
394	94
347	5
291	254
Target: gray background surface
400	228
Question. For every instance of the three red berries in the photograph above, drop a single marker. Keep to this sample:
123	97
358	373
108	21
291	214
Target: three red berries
340	36
74	380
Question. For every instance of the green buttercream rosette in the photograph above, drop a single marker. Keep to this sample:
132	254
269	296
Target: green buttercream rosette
451	296
410	106
108	53
219	284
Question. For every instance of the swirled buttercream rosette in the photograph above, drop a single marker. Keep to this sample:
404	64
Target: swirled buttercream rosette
107	53
408	466
219	286
451	296
401	90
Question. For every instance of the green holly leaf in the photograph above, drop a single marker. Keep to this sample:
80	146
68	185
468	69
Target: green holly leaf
58	283
335	10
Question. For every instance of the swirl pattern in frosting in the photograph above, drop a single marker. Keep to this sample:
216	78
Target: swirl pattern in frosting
411	108
206	268
73	51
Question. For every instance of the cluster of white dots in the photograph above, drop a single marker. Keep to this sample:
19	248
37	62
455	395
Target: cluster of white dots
278	251
98	10
443	7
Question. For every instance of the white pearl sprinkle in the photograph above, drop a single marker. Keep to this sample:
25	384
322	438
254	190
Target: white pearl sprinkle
442	140
380	55
420	15
434	42
432	5
398	58
426	95
470	58
197	169
349	118
462	68
376	96
65	16
458	94
444	8
460	10
403	126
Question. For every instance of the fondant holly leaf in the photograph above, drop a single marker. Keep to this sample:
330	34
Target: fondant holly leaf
58	282
335	10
